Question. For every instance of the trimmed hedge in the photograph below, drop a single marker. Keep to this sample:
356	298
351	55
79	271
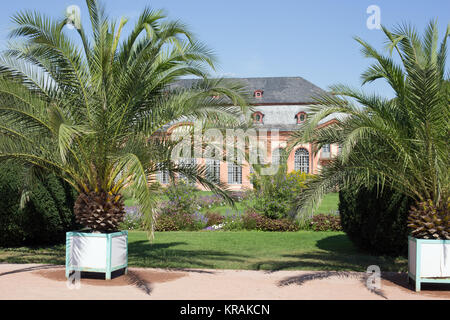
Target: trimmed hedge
47	216
377	224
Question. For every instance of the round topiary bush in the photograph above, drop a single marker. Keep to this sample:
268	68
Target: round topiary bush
46	217
375	222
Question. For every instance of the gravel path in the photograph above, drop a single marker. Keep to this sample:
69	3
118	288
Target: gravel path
34	281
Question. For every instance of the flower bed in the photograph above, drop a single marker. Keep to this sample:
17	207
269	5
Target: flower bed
326	222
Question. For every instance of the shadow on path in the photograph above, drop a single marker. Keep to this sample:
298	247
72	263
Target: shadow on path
29	269
163	255
336	253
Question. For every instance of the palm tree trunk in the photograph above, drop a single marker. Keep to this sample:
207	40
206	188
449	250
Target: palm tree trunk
99	211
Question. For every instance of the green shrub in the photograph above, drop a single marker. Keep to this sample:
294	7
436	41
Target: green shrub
254	221
377	224
214	218
183	198
325	222
165	223
46	217
233	224
274	195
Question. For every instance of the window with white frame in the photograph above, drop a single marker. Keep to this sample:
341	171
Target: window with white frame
234	173
278	156
301	160
326	151
162	175
213	169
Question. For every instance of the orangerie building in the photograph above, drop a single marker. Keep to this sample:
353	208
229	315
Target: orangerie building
278	103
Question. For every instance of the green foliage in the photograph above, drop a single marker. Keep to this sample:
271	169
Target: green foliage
46	216
325	222
180	221
274	195
133	219
91	109
131	224
254	221
232	223
165	223
401	142
214	218
375	222
183	198
430	221
180	212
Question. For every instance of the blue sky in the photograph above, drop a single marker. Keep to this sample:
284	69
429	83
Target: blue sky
253	38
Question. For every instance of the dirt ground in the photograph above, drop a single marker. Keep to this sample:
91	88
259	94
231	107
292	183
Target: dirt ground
33	281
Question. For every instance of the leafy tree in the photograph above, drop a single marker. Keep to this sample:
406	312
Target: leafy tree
92	113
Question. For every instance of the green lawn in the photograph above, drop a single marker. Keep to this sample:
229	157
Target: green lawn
329	203
303	250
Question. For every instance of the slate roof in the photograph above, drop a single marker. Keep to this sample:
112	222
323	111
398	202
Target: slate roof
276	90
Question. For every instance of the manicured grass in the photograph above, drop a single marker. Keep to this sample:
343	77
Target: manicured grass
329	204
303	250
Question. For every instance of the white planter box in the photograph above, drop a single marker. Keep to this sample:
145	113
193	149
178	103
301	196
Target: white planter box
96	252
428	261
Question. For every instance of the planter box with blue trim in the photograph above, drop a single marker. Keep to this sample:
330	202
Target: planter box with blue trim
428	261
96	252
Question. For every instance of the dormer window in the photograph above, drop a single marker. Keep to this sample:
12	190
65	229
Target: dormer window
301	117
257	117
258	94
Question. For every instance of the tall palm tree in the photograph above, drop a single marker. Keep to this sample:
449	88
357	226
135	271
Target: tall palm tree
401	142
93	114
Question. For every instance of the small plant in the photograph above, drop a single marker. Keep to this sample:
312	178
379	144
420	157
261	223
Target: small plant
231	224
255	221
210	201
174	221
325	222
133	219
215	227
182	198
430	221
165	223
214	218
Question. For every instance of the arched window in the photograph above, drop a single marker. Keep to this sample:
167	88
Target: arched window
301	117
301	160
258	117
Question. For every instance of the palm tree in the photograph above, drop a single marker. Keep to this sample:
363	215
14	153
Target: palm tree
400	142
93	114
